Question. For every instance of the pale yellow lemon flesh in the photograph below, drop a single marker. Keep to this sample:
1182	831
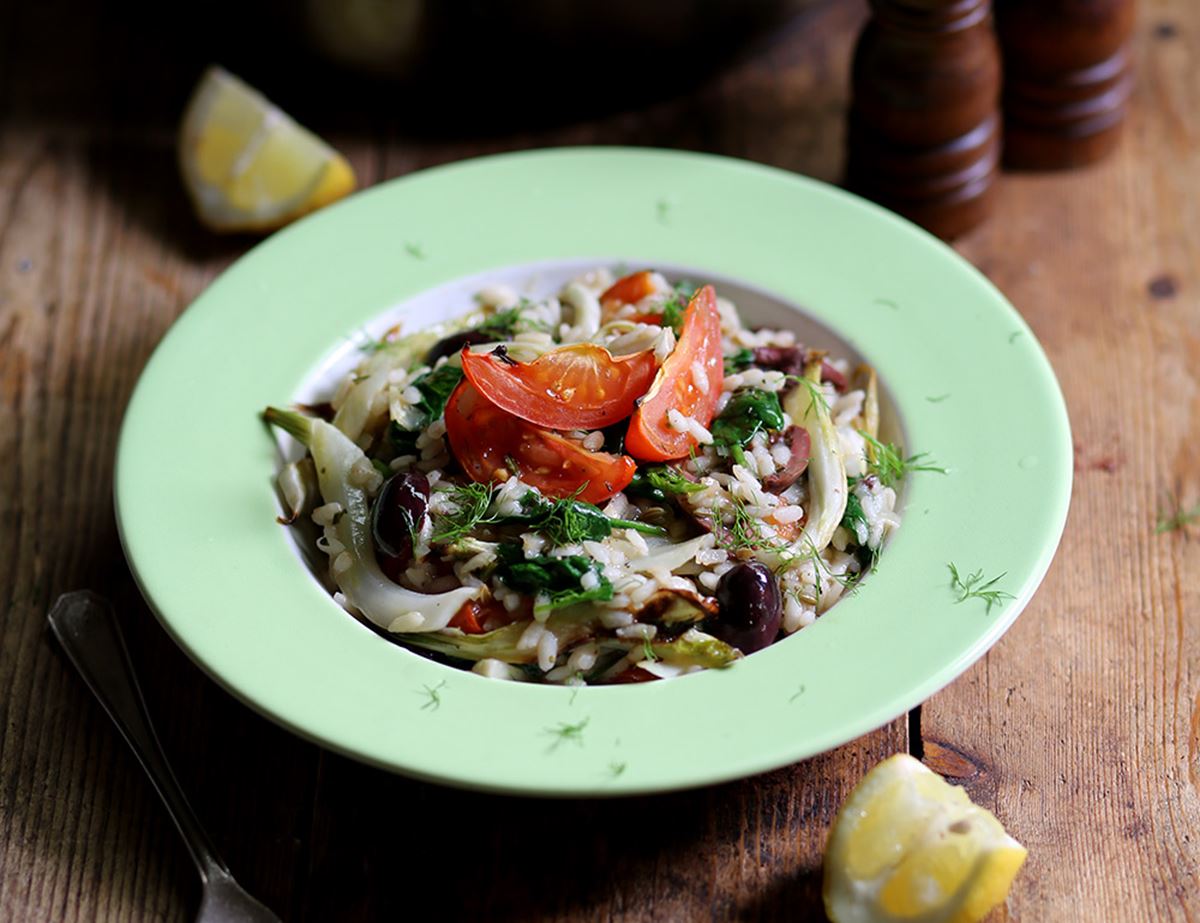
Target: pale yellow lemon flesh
908	847
247	165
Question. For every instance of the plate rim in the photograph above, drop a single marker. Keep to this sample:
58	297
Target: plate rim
998	623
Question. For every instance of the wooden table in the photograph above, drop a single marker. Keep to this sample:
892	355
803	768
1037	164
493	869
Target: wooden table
1080	729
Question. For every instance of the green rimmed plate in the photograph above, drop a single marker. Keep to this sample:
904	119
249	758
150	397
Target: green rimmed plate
967	381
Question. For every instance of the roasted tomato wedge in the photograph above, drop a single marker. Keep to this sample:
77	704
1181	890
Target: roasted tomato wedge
630	290
651	436
486	439
581	386
466	618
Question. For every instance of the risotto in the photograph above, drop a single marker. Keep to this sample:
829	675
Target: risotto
618	484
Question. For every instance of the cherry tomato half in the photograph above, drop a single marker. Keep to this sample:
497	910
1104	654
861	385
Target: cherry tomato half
630	289
486	439
650	436
581	386
477	616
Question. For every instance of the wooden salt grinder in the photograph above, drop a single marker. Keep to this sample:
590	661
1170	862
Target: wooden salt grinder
1068	73
924	129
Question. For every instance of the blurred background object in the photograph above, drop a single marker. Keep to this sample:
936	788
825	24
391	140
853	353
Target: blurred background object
924	125
247	165
530	59
1068	76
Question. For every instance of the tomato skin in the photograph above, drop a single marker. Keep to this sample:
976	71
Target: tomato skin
478	616
466	619
580	386
484	437
629	289
650	437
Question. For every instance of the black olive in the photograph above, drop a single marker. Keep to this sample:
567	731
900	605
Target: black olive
751	607
452	345
397	515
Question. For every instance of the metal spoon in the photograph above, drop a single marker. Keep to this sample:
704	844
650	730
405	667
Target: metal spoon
85	626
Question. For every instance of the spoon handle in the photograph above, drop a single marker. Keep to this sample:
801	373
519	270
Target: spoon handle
87	629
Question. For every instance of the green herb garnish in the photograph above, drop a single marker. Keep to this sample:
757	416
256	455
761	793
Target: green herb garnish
686	290
816	395
616	769
435	388
672	314
1169	522
854	515
473	502
820	566
739	361
569	521
674	307
433	697
890	466
852	519
564	731
554	582
749	412
974	587
502	325
743	532
404	441
648	651
660	482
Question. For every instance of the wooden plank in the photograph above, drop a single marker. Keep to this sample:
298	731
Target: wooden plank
1080	727
749	850
98	254
85	294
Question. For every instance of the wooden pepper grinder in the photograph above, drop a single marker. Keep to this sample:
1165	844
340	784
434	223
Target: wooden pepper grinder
924	130
1068	73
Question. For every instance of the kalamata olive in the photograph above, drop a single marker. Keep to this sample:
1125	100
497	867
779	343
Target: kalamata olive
397	515
751	607
791	361
452	345
786	359
799	444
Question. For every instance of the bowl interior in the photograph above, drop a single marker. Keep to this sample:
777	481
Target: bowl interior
756	306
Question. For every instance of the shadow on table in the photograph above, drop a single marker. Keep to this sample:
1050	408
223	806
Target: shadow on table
383	847
779	101
319	837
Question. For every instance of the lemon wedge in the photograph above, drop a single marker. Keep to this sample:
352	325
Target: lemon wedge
247	165
908	847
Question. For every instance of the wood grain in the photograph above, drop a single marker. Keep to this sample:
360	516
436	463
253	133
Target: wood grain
1083	721
1080	729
